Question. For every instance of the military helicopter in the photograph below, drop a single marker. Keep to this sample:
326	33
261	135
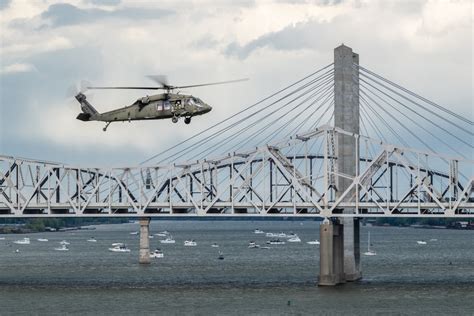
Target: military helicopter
151	107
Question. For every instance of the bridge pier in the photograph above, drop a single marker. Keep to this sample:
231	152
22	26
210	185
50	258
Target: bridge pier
346	117
144	254
331	248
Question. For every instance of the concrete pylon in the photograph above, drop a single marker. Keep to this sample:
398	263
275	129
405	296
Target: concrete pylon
331	267
346	117
144	255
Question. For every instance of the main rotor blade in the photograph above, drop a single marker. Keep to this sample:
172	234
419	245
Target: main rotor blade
135	88
210	84
161	79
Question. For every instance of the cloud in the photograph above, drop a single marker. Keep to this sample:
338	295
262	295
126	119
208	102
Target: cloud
18	68
106	2
63	14
4	4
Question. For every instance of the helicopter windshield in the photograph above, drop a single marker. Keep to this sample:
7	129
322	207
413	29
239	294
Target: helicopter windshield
195	101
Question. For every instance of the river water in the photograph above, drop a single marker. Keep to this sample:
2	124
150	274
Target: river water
403	278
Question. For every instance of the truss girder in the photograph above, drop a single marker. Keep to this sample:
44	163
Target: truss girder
288	178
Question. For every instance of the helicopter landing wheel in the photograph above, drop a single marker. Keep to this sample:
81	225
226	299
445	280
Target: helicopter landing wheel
187	120
174	119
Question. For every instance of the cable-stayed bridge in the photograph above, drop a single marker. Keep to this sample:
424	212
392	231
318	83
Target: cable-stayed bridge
278	157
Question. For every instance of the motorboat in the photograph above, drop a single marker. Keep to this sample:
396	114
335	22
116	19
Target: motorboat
157	254
2	238
275	242
271	235
258	231
24	241
214	245
190	243
117	244
421	242
313	242
42	239
168	240
92	239
369	252
151	236
221	256
121	248
294	239
134	233
162	234
281	235
62	248
252	244
64	242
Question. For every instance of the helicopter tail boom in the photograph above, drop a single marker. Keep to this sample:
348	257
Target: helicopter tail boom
87	109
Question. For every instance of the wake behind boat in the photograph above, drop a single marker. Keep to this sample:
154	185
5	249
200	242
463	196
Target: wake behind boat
313	242
62	248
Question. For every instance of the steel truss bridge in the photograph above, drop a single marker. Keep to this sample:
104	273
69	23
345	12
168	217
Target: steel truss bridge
282	179
238	167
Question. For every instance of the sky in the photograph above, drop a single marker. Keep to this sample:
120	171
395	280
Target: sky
49	46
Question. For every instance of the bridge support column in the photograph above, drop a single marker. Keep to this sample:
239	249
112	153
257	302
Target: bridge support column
331	249
144	255
346	117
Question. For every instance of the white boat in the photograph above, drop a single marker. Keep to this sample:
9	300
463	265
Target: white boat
168	240
369	252
275	242
214	245
294	239
162	234
421	242
17	251
121	248
64	242
281	235
42	239
221	255
271	235
2	238
190	243
24	241
92	239
258	231
134	233
62	248
151	236
117	244
313	242
252	244
157	254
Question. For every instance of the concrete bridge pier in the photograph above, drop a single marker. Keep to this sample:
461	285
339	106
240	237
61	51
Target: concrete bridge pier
331	267
144	254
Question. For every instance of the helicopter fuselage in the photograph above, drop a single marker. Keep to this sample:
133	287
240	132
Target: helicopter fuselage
153	107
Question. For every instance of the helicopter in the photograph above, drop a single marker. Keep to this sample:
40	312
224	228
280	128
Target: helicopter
166	105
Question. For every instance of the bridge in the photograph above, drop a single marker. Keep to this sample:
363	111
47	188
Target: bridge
342	143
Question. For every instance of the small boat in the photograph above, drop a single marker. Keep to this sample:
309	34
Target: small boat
221	256
24	241
214	245
121	248
168	240
421	242
62	248
2	238
313	242
42	239
294	239
271	235
190	243
369	252
64	242
162	234
117	244
281	235
258	231
157	254
252	244
275	242
151	236
92	239
134	233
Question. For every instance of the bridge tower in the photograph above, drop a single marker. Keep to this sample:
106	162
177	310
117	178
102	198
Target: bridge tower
340	239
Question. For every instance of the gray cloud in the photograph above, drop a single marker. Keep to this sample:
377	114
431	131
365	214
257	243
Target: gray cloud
315	2
66	14
4	4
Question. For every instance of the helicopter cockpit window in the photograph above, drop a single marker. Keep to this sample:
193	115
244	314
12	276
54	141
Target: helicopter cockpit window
195	101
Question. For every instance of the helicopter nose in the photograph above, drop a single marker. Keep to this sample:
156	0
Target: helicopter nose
207	108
